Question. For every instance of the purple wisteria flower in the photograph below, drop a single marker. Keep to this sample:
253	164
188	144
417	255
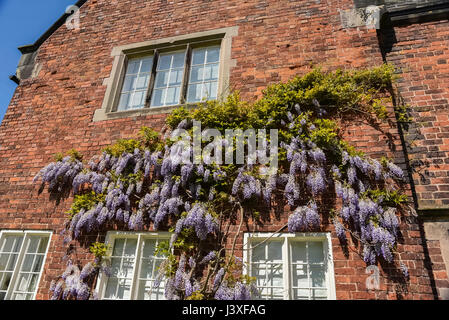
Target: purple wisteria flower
304	218
209	257
218	278
395	171
316	181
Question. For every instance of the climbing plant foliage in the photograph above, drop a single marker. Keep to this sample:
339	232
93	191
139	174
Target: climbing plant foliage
142	184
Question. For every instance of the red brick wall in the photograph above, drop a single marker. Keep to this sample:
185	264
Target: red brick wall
276	40
421	52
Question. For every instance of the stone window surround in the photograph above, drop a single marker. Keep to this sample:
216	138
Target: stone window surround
121	54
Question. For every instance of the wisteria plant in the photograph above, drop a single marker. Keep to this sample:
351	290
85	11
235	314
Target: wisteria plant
143	184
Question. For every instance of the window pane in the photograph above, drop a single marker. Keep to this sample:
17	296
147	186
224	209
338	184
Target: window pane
211	72
172	96
178	60
12	262
111	288
197	74
272	293
319	294
213	54
205	70
138	99
146	271
308	270
301	294
164	62
28	262
267	268
8	261
130	83
299	254
124	289
168	79
5	279
316	254
124	101
119	244
43	245
115	266
274	277
258	252
149	270
194	94
158	97
33	244
317	277
149	248
148	292
11	243
162	79
38	261
275	251
130	247
23	282
135	84
3	261
142	82
299	276
126	270
210	90
118	285
146	65
133	66
176	77
31	267
199	56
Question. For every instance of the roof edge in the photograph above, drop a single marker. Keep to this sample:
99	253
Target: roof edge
33	47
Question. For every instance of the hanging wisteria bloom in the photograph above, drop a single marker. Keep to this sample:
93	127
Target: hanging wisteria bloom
138	185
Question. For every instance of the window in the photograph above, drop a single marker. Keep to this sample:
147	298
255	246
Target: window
171	77
22	256
135	85
156	76
291	266
134	267
203	82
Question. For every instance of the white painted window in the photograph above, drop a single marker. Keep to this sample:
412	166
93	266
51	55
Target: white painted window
203	82
22	257
135	84
134	267
169	78
291	266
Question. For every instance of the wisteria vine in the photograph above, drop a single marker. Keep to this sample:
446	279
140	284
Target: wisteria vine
143	184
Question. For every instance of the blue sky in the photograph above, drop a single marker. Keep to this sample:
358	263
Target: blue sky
22	22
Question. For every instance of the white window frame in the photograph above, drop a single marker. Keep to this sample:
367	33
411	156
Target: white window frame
287	238
22	251
111	236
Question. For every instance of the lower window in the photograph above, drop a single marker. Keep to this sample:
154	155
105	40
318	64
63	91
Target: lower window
291	266
134	267
22	256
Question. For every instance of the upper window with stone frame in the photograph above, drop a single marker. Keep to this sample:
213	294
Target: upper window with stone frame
159	75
